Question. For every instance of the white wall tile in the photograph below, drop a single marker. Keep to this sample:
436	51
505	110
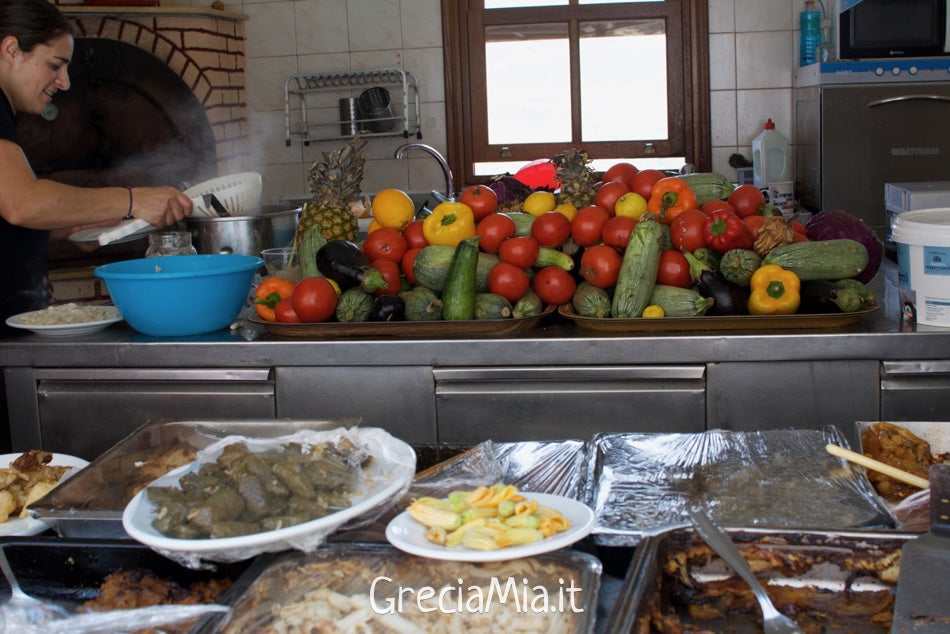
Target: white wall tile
421	24
754	107
763	60
374	24
722	16
722	105
270	29
321	27
762	15
266	77
722	61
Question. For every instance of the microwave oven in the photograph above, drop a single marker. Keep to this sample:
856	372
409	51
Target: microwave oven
875	29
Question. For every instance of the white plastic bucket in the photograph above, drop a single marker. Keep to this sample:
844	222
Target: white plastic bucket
923	264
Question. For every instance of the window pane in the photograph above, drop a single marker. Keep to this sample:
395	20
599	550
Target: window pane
632	105
614	1
511	4
527	84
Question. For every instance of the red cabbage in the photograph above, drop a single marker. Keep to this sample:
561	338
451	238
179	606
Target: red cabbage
832	224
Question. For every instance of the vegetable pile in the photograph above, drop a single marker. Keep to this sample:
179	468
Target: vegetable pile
636	244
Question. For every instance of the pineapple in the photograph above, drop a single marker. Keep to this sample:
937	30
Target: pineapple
335	182
577	179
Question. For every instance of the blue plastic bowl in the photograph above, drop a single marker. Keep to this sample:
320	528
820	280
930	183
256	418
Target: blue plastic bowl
180	294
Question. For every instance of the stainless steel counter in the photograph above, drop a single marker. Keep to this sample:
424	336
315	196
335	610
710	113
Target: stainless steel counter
556	341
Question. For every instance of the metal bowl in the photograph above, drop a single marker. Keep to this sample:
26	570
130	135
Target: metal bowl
266	227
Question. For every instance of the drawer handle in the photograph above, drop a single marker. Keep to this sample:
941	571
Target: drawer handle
884	102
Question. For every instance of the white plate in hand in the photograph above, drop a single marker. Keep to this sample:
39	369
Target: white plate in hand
408	535
66	330
30	526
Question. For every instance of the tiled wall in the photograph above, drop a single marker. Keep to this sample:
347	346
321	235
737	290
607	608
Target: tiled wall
753	53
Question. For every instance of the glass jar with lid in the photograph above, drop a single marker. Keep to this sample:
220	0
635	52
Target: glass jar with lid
169	243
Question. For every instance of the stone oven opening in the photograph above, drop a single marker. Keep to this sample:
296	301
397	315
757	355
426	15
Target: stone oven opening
127	119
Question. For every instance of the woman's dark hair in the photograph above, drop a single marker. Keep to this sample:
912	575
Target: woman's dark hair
32	22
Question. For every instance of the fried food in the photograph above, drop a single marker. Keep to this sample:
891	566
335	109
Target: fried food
900	448
29	478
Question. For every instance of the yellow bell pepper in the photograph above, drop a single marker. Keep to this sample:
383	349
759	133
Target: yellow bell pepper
449	223
775	291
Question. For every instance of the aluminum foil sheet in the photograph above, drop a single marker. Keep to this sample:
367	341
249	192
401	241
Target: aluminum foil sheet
640	484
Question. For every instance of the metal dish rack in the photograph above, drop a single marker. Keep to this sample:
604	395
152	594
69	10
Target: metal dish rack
315	114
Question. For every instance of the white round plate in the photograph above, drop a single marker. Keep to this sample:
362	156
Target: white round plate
30	526
91	235
66	330
388	479
408	535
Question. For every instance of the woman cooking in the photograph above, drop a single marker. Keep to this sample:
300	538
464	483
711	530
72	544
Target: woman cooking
36	45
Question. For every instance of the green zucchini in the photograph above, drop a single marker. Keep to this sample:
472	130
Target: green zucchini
738	265
553	257
458	295
522	222
528	306
492	306
680	302
307	252
707	255
591	301
637	276
354	305
431	267
708	186
820	259
422	304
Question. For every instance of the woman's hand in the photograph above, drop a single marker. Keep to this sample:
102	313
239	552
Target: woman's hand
160	206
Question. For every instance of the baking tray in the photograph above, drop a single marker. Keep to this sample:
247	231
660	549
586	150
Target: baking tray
72	570
648	590
640	484
363	576
716	322
90	504
405	328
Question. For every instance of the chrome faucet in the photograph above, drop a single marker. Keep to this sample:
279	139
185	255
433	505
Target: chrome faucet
444	164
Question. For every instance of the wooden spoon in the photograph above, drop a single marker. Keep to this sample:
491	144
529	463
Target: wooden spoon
877	465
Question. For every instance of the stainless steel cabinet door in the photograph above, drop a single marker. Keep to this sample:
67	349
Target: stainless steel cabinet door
563	402
915	390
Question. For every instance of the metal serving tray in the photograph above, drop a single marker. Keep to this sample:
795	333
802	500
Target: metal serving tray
90	504
70	571
649	591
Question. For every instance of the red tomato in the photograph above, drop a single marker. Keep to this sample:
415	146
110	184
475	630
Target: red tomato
798	227
521	251
745	199
509	281
754	223
495	229
414	236
801	237
554	285
600	265
608	194
687	230
674	269
482	199
714	205
622	172
284	312
642	182
385	243
588	225
407	262
551	229
390	272
314	299
617	232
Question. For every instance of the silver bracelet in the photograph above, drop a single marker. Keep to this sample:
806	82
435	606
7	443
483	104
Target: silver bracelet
128	216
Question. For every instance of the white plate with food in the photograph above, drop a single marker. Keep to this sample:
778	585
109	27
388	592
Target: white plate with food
66	320
408	535
381	482
19	489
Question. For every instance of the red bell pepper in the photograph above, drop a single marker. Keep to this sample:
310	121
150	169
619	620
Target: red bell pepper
725	231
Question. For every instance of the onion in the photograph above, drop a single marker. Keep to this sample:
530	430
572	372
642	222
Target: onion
832	224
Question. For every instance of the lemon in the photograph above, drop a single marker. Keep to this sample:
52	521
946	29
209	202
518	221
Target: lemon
393	208
631	205
539	203
654	311
568	209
